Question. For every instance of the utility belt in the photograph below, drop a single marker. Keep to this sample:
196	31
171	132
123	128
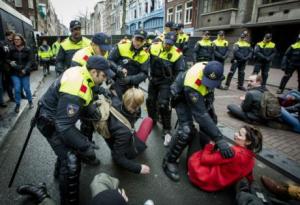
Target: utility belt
45	125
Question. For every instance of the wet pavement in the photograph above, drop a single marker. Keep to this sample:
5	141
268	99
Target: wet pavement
38	163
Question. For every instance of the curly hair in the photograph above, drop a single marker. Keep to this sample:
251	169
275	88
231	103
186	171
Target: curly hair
254	136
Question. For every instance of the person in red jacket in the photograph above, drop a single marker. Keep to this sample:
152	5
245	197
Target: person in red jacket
208	170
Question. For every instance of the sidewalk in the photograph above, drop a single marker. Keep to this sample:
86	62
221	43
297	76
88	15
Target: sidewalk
9	117
274	79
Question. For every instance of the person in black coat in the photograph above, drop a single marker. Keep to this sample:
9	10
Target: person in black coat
20	60
250	106
124	143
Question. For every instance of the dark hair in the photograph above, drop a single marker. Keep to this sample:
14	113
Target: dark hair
22	38
254	136
9	32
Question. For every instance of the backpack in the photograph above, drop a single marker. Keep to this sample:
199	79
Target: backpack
105	108
269	106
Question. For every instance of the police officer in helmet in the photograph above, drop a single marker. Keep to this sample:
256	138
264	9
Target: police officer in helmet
67	99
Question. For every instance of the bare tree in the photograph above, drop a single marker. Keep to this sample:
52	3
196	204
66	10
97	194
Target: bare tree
123	28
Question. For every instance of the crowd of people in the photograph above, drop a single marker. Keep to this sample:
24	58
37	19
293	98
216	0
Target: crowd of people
99	86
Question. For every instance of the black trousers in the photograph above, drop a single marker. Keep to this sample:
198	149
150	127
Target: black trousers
288	74
264	67
68	164
240	66
158	101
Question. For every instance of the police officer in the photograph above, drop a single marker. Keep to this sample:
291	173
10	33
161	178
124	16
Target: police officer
68	99
69	46
169	26
166	61
290	63
264	52
221	50
193	97
242	52
45	55
55	47
203	50
132	62
100	45
182	39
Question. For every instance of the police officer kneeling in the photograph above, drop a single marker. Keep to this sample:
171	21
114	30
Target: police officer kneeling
68	98
193	96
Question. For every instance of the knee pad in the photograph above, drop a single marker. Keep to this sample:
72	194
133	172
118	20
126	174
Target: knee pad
73	164
164	105
184	133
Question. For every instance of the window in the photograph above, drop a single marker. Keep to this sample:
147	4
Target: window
30	4
170	14
135	14
18	3
217	5
146	7
178	14
188	12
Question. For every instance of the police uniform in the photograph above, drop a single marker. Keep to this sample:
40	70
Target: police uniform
45	55
203	50
81	57
290	63
135	61
67	99
182	42
55	48
221	50
194	100
67	50
164	67
242	52
264	53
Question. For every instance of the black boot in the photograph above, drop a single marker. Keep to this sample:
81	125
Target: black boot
177	146
38	192
283	83
56	169
69	180
228	79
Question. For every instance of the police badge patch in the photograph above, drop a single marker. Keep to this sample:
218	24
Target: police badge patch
72	109
193	97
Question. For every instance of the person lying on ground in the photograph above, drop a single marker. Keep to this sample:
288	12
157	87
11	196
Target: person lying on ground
208	170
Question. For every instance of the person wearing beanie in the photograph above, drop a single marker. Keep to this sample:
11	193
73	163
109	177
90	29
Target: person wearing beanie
100	45
193	97
264	53
242	52
203	50
132	62
65	102
166	62
69	47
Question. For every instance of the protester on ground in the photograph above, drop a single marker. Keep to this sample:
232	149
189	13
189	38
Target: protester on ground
208	170
125	143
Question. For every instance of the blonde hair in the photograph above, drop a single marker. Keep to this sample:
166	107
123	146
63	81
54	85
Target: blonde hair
133	98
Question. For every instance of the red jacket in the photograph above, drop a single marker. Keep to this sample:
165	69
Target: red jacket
211	172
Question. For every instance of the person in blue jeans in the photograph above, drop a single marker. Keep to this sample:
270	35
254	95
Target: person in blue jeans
20	59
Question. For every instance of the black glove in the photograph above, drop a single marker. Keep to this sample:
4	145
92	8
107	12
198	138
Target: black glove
120	73
224	148
124	81
92	112
99	90
89	153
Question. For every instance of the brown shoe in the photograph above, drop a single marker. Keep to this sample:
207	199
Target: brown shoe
277	188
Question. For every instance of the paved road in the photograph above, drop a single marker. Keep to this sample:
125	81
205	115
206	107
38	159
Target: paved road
38	163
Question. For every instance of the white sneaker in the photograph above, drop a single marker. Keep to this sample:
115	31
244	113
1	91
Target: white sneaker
168	138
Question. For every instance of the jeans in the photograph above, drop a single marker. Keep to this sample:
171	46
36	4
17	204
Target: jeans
289	119
1	88
19	84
